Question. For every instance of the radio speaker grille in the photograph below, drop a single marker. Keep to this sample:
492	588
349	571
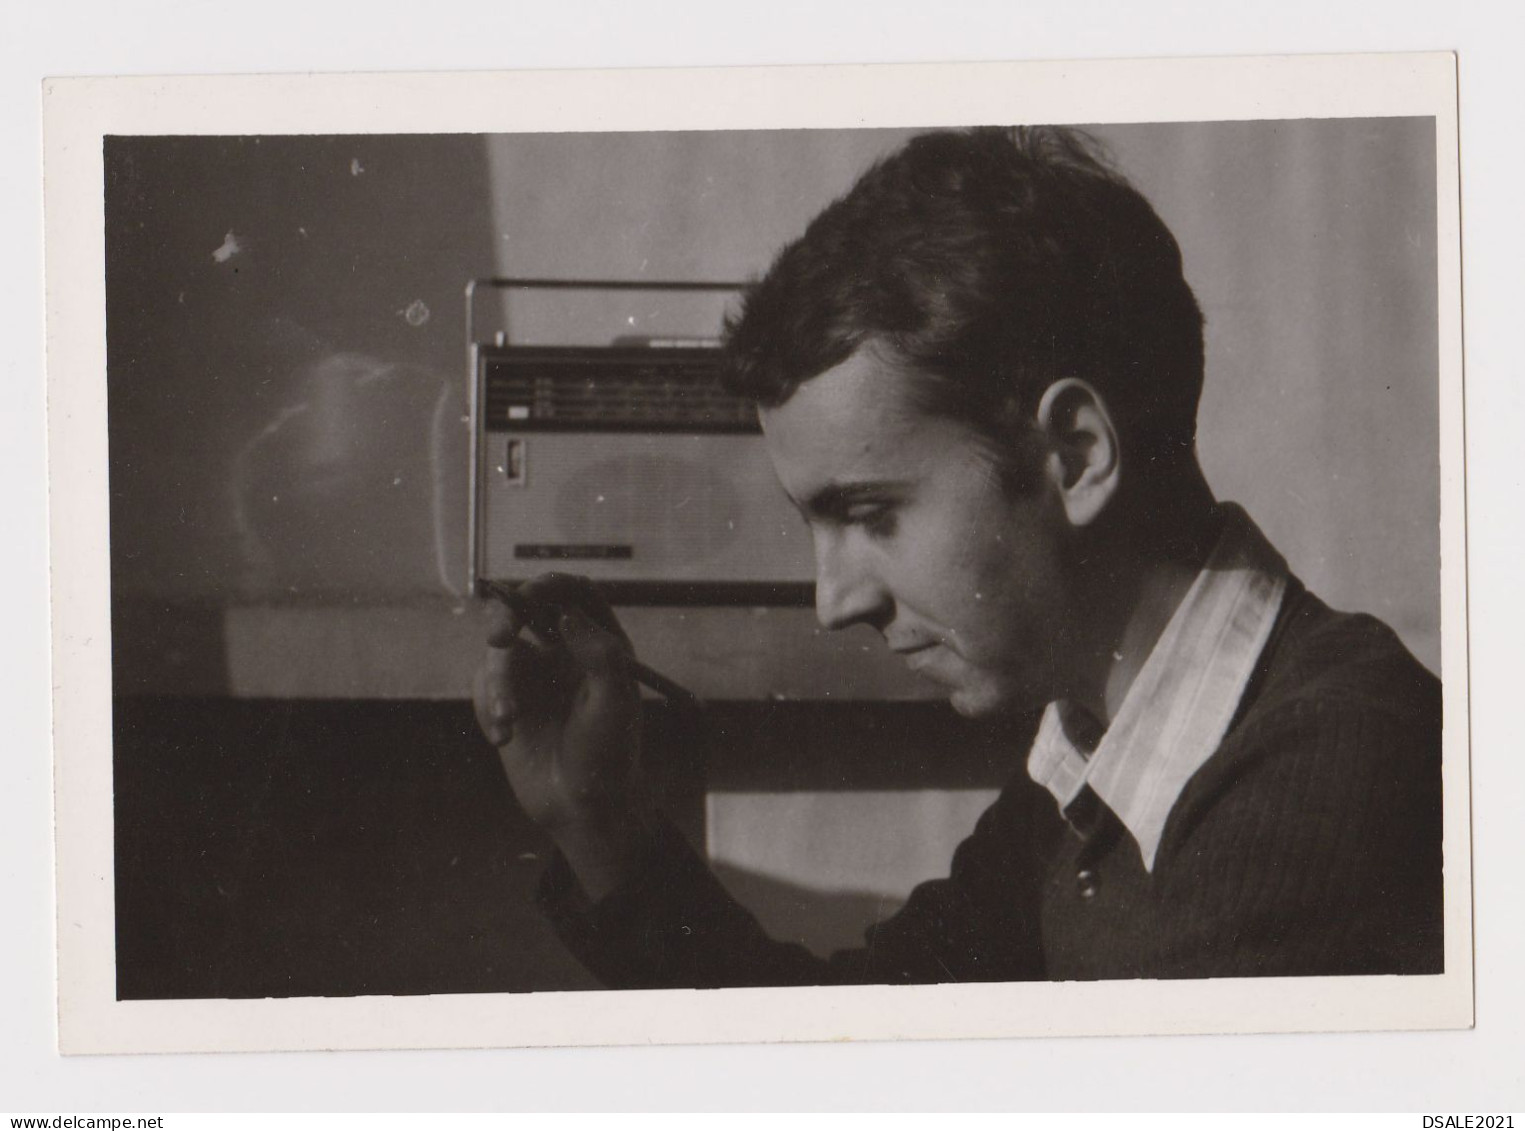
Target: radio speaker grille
679	511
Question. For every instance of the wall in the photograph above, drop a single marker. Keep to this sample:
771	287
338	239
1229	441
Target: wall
284	343
1311	247
286	406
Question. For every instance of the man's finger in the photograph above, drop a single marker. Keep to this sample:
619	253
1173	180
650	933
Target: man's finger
527	678
493	713
608	690
596	650
565	590
504	624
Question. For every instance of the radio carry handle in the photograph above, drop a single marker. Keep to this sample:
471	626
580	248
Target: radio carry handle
509	283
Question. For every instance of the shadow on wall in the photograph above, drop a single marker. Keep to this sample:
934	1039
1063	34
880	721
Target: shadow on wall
271	848
277	849
822	921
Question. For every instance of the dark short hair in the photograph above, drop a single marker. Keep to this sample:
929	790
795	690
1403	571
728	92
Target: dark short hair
990	262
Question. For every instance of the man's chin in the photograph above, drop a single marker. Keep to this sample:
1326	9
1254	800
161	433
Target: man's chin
975	692
990	702
977	703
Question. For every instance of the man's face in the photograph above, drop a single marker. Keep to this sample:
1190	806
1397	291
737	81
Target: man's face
916	535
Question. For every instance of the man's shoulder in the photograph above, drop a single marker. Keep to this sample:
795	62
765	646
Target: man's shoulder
1338	714
1340	723
1320	659
1319	817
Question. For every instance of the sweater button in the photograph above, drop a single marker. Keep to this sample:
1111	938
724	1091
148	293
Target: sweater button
1087	883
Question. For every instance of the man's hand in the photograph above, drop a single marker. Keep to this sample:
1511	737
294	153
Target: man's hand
556	696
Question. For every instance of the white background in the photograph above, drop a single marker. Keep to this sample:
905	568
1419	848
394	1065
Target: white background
1478	1071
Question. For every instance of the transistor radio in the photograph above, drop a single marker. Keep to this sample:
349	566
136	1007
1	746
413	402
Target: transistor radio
628	464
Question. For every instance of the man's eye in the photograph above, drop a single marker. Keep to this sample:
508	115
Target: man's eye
876	518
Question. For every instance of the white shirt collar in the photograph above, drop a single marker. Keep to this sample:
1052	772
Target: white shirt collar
1181	703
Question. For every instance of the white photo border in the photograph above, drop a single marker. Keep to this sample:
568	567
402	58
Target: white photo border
79	113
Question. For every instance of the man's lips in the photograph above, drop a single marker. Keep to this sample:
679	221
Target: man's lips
917	656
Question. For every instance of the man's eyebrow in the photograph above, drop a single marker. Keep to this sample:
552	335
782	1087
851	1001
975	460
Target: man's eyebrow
835	498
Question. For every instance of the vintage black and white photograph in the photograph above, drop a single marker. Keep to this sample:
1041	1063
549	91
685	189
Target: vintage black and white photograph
996	555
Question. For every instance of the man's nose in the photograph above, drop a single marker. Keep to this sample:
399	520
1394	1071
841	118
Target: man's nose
846	591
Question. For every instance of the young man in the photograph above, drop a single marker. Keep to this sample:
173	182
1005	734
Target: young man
977	375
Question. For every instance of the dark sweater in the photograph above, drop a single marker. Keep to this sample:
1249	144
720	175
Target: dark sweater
1309	843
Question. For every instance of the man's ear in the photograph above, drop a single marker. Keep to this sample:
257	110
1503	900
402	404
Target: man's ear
1084	458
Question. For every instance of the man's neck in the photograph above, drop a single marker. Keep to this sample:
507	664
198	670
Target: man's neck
1160	592
1149	577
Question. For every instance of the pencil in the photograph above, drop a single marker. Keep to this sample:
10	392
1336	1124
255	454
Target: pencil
542	616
